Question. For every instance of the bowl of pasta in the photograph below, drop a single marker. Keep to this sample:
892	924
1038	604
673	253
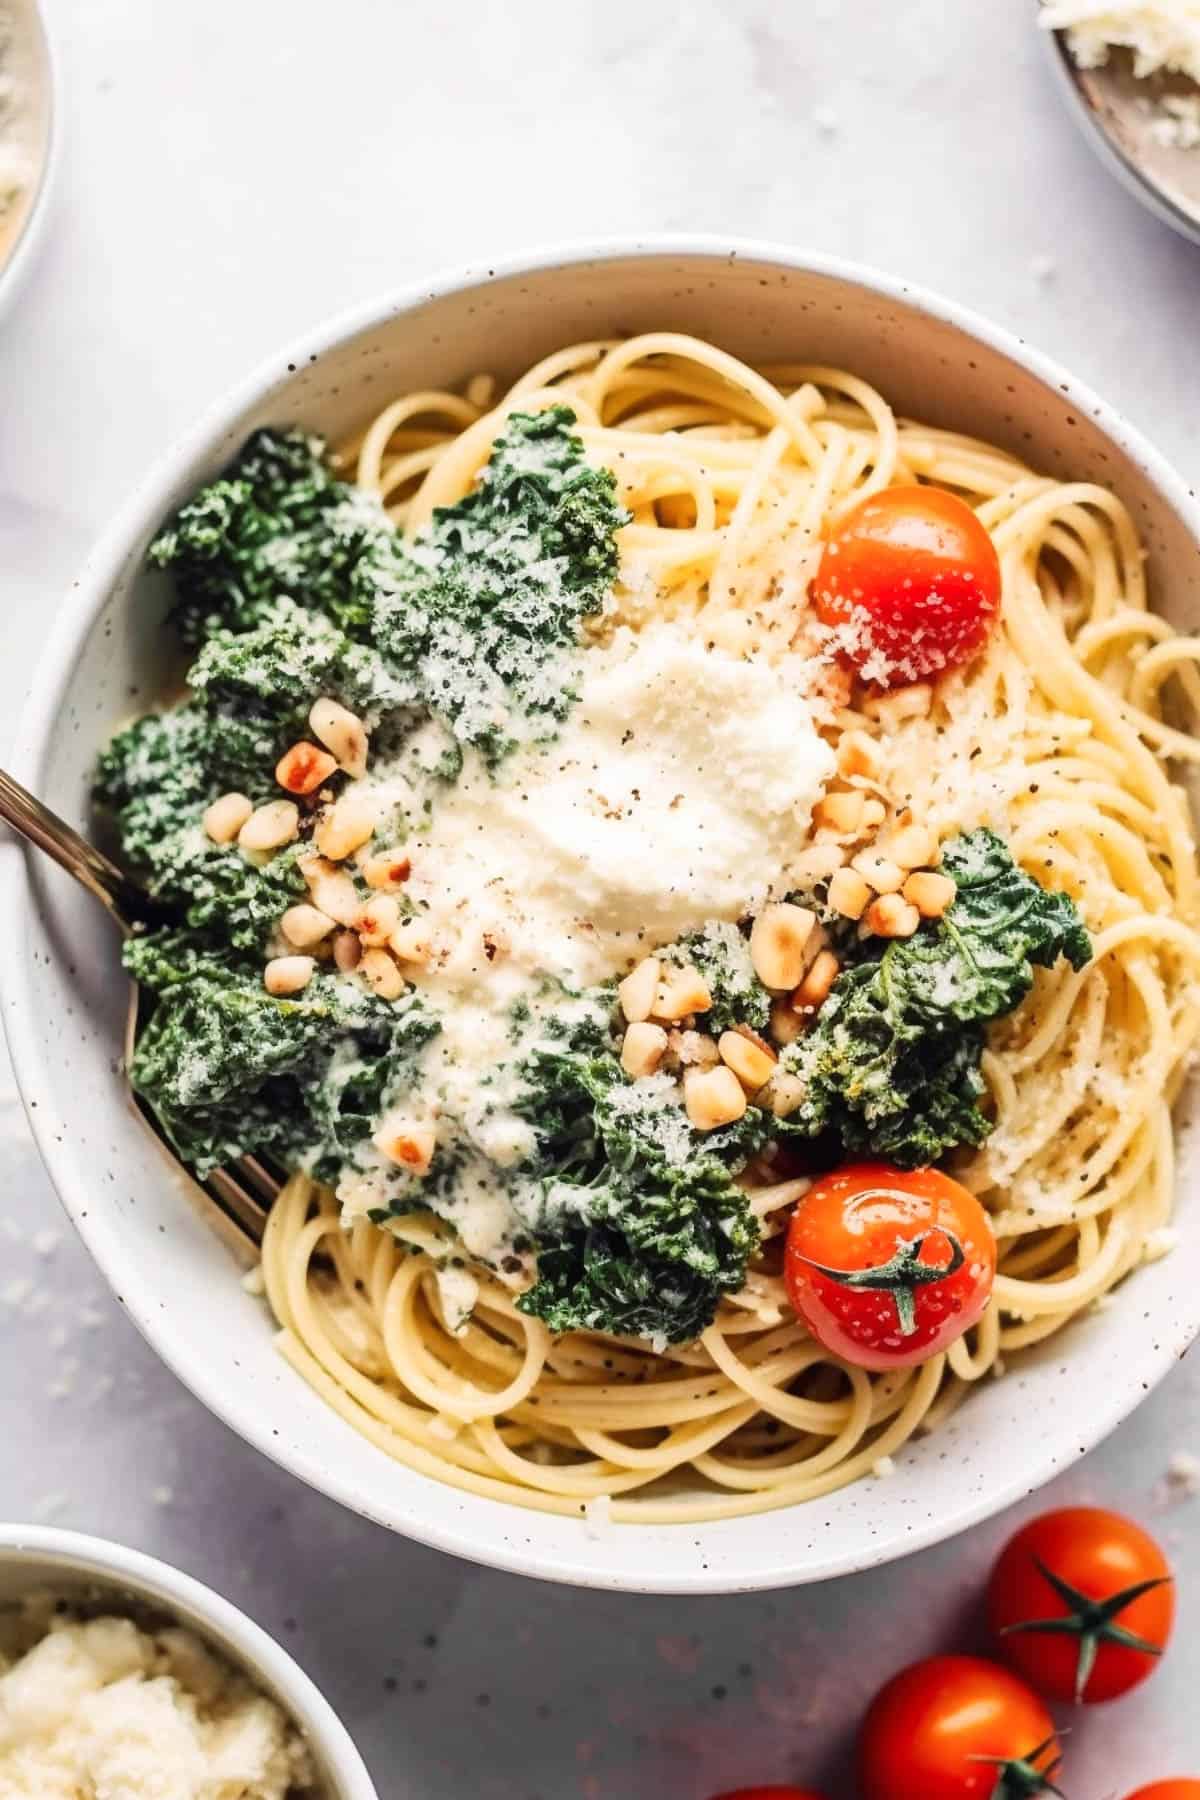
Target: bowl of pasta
663	773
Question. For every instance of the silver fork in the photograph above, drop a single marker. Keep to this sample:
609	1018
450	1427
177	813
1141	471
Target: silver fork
235	1201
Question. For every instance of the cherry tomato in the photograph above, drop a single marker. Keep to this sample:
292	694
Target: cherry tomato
1082	1602
887	1266
913	580
1180	1789
769	1793
956	1728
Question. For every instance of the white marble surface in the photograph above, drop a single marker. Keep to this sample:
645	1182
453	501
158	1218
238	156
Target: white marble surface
232	172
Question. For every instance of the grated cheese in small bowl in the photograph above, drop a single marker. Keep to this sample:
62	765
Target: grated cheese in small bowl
100	1705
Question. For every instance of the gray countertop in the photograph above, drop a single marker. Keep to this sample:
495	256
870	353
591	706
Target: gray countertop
232	173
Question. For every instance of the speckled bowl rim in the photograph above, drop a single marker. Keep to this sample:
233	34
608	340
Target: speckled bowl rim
507	1546
200	1608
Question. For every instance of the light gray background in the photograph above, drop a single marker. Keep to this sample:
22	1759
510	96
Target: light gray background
233	171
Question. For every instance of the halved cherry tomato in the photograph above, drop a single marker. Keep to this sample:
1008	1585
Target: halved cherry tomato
1179	1789
769	1793
956	1728
1082	1602
887	1266
912	580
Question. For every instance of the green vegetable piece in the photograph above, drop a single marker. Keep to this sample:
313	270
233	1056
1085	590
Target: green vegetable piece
643	1227
228	1068
276	523
892	1063
722	955
484	611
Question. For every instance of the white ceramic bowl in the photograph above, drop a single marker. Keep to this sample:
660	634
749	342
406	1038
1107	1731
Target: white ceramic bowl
65	995
36	1558
33	70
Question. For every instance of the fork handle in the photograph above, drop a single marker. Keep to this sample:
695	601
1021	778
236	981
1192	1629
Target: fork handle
89	866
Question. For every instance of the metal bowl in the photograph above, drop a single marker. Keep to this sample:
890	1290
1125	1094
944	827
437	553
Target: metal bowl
1116	111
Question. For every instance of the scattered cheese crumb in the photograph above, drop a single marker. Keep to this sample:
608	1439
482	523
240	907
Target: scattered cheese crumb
1044	268
253	1281
1176	122
883	1466
47	1242
1160	1243
162	1496
825	120
597	1516
1183	1474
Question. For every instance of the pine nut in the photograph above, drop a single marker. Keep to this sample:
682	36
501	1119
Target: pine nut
858	754
849	894
892	917
931	894
348	823
380	971
786	1024
378	919
777	943
271	826
913	847
386	870
681	992
331	891
408	1142
347	951
840	812
713	1097
303	768
752	1065
694	1049
817	862
642	1049
305	926
813	991
880	871
287	974
343	732
412	941
226	816
783	1094
637	992
912	702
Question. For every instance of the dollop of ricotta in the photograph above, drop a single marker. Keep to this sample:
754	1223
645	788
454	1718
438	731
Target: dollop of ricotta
679	789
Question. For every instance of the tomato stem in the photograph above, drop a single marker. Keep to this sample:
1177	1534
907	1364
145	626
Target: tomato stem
1018	1777
1093	1622
901	1275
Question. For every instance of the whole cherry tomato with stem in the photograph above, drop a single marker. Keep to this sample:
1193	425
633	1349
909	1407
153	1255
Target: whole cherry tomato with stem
1082	1602
957	1728
910	582
888	1266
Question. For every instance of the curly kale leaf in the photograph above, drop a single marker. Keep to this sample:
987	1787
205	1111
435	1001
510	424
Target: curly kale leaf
893	1061
722	955
276	523
228	1069
483	610
276	670
639	1225
156	778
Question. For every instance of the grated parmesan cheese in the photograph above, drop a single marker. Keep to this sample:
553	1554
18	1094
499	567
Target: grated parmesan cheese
101	1707
1162	34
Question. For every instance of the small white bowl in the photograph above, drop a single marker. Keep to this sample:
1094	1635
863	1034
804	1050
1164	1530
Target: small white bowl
37	1558
65	995
36	75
